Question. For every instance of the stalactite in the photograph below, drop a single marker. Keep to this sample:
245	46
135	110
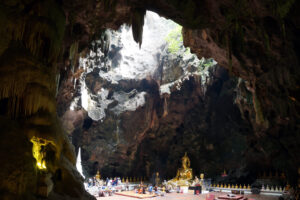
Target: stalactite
153	119
165	106
105	42
35	31
73	55
38	97
57	79
259	117
137	21
27	83
118	132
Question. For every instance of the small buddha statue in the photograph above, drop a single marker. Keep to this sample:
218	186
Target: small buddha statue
224	173
202	176
196	181
282	176
157	179
98	175
276	174
270	175
287	187
264	175
260	175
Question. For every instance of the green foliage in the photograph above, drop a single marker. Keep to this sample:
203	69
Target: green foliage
174	40
209	62
205	63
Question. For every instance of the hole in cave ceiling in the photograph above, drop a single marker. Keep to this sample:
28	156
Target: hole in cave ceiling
116	57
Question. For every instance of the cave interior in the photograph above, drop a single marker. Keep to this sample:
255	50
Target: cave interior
134	84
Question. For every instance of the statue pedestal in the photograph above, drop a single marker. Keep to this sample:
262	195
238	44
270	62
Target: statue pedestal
184	189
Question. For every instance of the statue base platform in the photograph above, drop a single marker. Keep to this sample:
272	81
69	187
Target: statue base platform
184	189
180	183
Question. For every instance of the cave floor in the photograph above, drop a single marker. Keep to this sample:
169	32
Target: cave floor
189	196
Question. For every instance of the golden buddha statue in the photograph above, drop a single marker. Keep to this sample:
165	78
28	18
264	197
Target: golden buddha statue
157	179
98	176
185	174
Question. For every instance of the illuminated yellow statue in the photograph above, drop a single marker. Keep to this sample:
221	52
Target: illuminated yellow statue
38	151
185	174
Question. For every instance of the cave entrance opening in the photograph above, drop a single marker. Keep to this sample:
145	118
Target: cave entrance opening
116	58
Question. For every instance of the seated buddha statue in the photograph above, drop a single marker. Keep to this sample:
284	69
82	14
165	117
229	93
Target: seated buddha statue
185	174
